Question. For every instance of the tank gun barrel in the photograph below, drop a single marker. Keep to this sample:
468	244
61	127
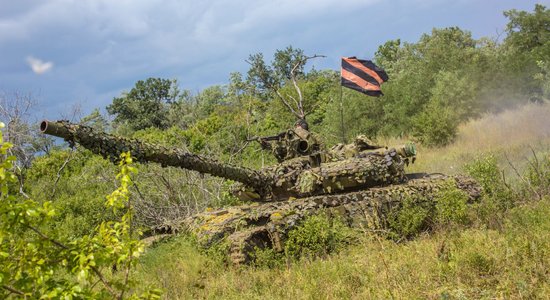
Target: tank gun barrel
112	146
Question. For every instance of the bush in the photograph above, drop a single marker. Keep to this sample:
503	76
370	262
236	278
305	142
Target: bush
451	207
528	231
77	182
486	171
437	125
409	219
268	258
36	263
497	197
217	251
417	215
318	236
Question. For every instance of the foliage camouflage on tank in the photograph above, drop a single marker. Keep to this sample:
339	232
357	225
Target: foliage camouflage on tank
262	225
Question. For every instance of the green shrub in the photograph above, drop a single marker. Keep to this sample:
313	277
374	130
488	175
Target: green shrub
528	232
436	126
36	263
486	171
268	258
451	207
194	139
318	236
77	183
497	197
416	215
409	219
218	251
171	137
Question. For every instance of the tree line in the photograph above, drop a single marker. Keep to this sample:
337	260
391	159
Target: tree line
445	78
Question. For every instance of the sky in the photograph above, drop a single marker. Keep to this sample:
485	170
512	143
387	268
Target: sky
82	53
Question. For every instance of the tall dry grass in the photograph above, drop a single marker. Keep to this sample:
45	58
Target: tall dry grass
512	136
523	126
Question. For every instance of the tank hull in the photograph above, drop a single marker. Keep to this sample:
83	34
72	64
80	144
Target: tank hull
266	225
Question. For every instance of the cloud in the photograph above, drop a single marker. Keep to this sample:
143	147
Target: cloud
101	47
38	66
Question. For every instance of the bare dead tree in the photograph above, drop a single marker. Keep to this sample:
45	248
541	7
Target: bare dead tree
295	106
301	114
525	180
15	111
74	114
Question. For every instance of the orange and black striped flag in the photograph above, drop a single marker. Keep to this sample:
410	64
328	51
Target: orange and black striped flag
362	75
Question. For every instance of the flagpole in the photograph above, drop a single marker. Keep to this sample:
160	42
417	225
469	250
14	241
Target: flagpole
343	130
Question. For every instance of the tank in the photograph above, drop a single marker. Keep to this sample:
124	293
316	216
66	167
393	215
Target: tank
361	182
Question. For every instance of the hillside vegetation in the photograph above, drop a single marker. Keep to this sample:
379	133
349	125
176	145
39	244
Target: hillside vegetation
473	106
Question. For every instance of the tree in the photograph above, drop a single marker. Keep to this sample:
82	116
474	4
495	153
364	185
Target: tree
527	46
15	110
529	32
388	54
26	142
209	99
95	120
543	77
443	67
146	105
286	69
267	79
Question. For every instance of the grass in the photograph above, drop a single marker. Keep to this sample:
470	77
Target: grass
512	136
480	261
472	263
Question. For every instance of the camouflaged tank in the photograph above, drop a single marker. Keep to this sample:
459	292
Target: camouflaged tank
360	182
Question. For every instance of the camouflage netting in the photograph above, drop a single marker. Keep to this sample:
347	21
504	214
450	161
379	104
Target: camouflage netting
266	225
299	178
